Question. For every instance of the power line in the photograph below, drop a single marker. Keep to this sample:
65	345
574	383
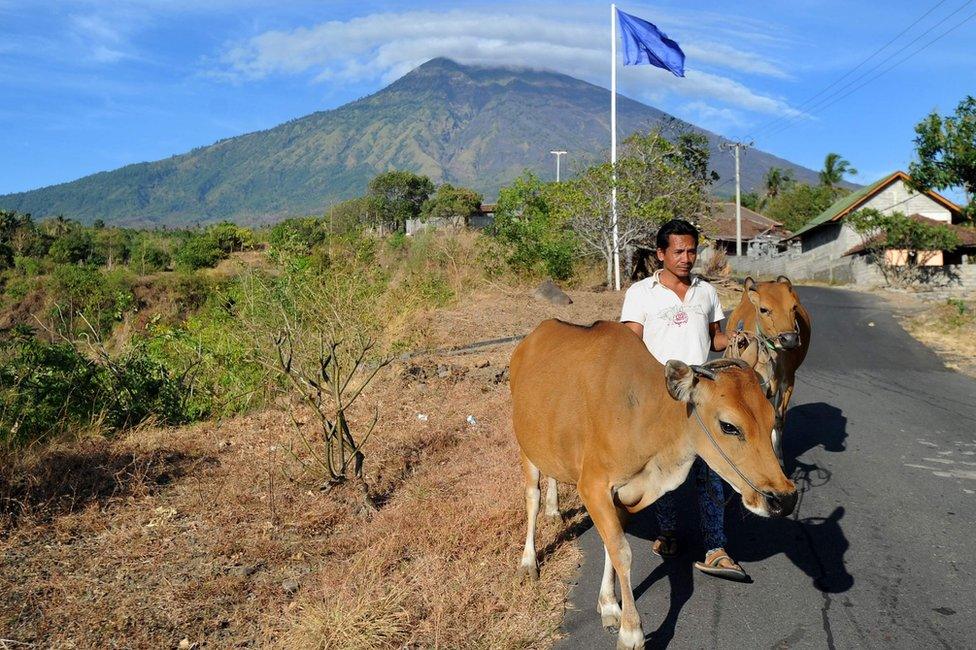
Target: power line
889	68
840	93
854	69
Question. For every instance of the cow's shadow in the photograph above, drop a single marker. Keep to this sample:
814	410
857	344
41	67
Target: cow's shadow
816	545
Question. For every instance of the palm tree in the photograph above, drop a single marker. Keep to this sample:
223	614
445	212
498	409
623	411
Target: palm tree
776	181
834	170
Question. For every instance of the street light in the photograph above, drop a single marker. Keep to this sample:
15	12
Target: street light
558	154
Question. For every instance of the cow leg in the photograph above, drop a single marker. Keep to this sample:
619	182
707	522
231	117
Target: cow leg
552	499
607	604
784	403
602	511
529	567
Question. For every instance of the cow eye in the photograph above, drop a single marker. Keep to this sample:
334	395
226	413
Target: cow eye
766	310
729	429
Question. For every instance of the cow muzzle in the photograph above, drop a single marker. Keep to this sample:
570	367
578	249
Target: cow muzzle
780	504
789	340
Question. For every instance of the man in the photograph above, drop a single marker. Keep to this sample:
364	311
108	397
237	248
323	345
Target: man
677	316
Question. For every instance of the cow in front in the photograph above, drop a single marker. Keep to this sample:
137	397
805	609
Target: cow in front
592	407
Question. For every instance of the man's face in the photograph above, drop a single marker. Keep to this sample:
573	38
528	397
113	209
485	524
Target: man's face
680	255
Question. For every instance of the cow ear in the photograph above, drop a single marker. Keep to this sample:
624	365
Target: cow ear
785	280
680	379
751	292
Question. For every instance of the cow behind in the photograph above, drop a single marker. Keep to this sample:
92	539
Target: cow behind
770	329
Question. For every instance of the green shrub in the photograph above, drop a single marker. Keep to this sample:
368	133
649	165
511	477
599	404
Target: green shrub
198	252
73	247
298	235
537	242
51	389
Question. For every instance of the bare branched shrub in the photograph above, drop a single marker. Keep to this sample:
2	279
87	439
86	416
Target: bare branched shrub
326	382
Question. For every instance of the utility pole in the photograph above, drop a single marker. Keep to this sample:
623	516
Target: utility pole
738	198
558	155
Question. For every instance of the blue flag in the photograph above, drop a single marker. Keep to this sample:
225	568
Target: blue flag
645	44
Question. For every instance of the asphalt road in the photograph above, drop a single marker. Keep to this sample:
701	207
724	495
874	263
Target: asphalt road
880	552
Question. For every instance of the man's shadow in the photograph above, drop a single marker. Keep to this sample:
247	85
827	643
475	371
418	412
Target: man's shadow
816	545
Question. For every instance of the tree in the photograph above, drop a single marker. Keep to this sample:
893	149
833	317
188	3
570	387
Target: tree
657	180
113	245
776	181
834	169
197	252
454	204
748	200
230	237
73	246
900	246
946	148
796	205
397	196
537	240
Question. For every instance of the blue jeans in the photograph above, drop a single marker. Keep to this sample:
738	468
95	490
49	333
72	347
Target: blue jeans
711	507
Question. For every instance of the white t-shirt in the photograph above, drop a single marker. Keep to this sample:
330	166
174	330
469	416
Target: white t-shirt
674	329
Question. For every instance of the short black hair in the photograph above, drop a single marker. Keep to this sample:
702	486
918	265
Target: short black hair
675	227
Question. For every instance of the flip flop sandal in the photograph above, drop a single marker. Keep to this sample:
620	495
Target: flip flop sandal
665	545
713	567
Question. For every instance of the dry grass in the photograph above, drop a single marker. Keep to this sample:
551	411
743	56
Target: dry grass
173	533
947	328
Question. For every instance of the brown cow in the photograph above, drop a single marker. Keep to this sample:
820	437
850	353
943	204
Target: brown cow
770	330
592	407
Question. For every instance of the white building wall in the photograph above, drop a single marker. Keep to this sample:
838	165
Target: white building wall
898	197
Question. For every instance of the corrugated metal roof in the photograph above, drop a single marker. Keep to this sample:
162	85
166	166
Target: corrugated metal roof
850	202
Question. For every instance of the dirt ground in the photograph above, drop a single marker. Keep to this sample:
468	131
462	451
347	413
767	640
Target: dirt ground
197	535
949	328
206	535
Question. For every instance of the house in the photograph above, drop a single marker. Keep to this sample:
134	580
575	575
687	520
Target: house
480	220
967	247
760	234
827	236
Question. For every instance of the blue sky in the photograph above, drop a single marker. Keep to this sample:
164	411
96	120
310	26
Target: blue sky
93	85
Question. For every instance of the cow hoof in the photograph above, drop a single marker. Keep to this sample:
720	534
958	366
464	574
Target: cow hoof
611	622
528	572
553	514
630	639
609	616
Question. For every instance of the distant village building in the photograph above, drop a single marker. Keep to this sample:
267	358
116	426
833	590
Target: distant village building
828	235
483	218
760	235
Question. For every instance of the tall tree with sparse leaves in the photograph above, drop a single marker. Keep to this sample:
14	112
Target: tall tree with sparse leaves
946	148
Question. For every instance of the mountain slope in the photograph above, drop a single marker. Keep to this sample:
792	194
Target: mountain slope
473	126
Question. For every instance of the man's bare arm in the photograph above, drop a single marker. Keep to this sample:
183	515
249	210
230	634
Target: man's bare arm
636	328
719	340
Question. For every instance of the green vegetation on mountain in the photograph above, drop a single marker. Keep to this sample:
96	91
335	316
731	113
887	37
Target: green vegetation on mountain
464	125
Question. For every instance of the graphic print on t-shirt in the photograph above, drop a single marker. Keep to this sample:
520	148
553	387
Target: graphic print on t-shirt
679	314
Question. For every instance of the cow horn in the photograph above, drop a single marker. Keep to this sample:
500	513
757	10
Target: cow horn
785	280
702	371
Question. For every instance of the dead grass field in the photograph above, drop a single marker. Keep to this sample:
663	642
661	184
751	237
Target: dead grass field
194	533
948	328
197	535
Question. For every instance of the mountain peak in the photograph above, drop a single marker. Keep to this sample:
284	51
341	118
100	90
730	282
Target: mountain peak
471	125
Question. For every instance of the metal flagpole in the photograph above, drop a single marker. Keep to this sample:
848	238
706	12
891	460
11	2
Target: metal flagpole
613	143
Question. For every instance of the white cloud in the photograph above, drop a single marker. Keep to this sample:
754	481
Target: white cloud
386	46
715	118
